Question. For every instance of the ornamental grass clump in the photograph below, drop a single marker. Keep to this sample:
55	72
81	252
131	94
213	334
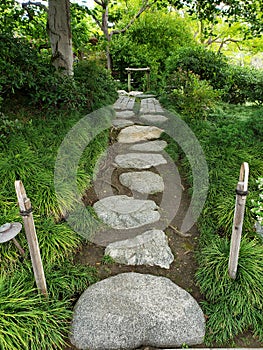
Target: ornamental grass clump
231	306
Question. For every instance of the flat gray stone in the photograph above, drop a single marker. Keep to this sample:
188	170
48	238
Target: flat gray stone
139	160
123	212
137	133
135	93
153	118
150	146
132	310
143	181
121	123
124	114
150	248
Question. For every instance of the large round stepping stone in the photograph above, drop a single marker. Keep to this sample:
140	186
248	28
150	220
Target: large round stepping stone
150	146
150	248
153	118
139	160
124	114
138	133
143	181
123	212
132	310
121	123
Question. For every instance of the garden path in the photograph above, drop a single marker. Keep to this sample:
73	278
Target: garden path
138	218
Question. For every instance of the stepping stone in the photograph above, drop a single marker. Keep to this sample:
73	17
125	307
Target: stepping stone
150	105
137	133
125	114
121	123
139	160
143	182
153	118
150	248
151	146
124	102
131	310
123	212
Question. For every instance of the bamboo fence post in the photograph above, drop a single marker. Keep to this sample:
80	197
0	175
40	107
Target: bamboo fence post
26	213
241	196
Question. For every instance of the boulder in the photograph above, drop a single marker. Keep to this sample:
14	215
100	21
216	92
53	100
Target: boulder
150	248
123	212
132	310
142	181
137	133
139	160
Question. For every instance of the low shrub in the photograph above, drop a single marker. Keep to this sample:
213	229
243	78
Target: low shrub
202	62
244	84
192	97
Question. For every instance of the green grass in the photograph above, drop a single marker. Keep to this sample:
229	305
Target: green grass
28	152
229	136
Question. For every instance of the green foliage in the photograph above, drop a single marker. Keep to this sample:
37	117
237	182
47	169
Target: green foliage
232	306
28	321
192	97
244	84
67	281
147	43
198	60
107	260
30	77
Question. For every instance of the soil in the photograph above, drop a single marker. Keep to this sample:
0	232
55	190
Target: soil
182	270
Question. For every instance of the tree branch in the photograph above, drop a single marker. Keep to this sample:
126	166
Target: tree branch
142	9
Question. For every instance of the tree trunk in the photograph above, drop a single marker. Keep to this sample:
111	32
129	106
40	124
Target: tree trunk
60	35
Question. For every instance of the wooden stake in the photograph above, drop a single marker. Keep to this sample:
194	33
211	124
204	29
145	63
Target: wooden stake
26	212
241	196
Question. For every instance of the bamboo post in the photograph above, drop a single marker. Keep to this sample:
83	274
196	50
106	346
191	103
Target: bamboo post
241	196
26	213
148	79
129	81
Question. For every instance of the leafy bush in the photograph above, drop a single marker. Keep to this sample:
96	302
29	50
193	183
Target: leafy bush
36	82
206	64
147	43
192	97
232	306
244	84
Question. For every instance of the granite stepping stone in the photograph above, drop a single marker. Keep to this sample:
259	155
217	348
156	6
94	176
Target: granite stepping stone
150	248
121	123
123	212
153	118
137	133
139	160
150	146
131	310
124	114
143	182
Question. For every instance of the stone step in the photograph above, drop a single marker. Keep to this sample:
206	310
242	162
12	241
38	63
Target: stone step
150	248
123	212
137	133
122	123
153	118
150	146
145	182
124	103
150	105
139	160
